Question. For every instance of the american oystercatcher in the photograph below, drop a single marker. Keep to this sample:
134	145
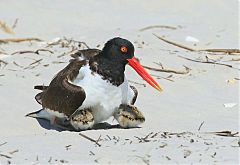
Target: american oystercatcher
90	90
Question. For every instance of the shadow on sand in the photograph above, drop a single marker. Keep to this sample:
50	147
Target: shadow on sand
100	126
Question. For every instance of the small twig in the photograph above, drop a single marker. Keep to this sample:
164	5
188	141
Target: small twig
91	153
160	77
31	51
187	70
144	85
7	40
13	152
3	143
238	59
108	137
226	51
37	61
207	62
174	43
6	156
200	126
58	62
4	62
1	52
68	146
17	64
50	159
15	23
99	138
92	140
31	66
225	133
157	26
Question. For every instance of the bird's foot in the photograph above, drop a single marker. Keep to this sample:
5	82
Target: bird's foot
128	116
82	119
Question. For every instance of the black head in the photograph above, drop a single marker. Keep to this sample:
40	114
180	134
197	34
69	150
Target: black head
119	50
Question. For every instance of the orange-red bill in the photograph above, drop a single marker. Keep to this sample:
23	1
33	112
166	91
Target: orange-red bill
133	62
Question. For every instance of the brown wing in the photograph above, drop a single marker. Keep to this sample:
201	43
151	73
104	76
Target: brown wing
60	95
86	53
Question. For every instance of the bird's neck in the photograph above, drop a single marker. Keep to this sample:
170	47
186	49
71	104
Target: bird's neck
109	70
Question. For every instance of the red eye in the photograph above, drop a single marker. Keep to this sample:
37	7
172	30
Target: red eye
124	49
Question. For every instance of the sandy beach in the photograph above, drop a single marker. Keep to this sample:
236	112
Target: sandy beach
195	120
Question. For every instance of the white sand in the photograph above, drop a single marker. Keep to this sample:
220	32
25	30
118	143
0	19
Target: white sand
182	106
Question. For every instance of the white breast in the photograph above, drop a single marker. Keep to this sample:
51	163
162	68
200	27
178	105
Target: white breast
101	95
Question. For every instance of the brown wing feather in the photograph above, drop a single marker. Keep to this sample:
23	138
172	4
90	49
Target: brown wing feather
61	95
86	53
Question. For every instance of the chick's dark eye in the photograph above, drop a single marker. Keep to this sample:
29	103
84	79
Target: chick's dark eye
123	49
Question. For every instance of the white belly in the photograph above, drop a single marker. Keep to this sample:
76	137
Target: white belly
101	96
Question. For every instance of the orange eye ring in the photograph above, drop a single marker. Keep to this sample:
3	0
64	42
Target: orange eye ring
124	49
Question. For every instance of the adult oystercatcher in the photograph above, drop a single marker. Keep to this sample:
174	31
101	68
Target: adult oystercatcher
91	90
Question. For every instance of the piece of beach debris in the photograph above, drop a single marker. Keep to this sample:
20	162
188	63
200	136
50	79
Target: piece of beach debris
15	23
88	138
68	146
6	28
58	62
186	153
14	151
50	159
191	39
18	65
137	83
174	43
63	161
214	154
225	51
158	26
207	62
168	158
163	145
3	143
5	155
200	126
226	133
3	62
186	71
7	40
1	52
91	153
31	51
229	105
231	81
